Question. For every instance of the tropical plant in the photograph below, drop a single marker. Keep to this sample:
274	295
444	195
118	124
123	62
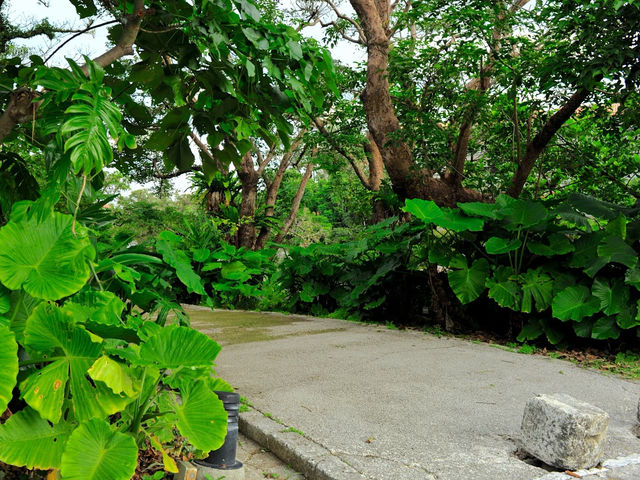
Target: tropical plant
215	272
572	261
365	278
93	366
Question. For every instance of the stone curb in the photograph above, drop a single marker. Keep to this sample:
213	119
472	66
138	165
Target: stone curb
312	460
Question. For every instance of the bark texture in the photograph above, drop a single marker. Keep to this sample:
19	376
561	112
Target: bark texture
407	179
249	180
295	206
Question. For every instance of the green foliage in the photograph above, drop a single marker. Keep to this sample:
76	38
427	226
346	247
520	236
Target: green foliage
218	273
535	257
364	278
32	252
95	451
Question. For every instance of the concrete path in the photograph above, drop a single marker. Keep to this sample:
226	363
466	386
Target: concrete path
260	464
359	401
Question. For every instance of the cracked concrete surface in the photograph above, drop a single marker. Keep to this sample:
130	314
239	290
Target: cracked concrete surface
404	405
261	464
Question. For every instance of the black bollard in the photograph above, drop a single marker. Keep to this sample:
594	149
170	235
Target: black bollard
224	458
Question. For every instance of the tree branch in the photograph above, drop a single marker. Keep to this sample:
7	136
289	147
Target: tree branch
356	25
295	206
204	149
542	139
166	176
21	104
263	162
81	32
353	161
131	27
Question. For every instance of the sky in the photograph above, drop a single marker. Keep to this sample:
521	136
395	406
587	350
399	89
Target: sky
62	13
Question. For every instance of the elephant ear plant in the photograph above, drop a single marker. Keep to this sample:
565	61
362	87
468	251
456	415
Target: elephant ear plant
86	380
93	389
570	267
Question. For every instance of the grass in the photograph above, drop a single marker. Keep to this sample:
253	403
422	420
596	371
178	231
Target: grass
273	417
293	430
245	405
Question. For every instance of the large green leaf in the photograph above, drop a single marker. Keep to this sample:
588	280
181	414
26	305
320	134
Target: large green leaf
424	210
201	417
586	249
95	452
481	209
503	289
451	219
574	303
52	333
28	440
583	328
22	304
234	271
613	295
530	331
175	347
497	245
101	307
116	375
615	249
5	299
524	214
559	244
632	277
554	335
46	258
536	286
468	282
629	317
605	328
179	260
8	365
448	218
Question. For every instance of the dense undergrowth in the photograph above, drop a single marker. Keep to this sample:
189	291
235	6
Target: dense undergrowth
560	272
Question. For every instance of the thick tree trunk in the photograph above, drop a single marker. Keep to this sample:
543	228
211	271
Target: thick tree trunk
249	181
20	109
295	206
407	179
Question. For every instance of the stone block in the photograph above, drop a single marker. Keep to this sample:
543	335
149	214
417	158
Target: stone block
564	432
186	471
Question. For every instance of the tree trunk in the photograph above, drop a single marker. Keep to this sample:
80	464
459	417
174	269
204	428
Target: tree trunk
407	179
272	194
249	181
295	206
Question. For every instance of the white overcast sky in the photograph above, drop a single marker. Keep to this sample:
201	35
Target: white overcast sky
62	13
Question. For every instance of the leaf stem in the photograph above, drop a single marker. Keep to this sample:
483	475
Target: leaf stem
75	213
25	363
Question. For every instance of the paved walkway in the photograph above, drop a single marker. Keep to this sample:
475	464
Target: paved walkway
261	464
339	400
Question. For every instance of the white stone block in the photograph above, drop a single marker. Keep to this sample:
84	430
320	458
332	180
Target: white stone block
564	432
